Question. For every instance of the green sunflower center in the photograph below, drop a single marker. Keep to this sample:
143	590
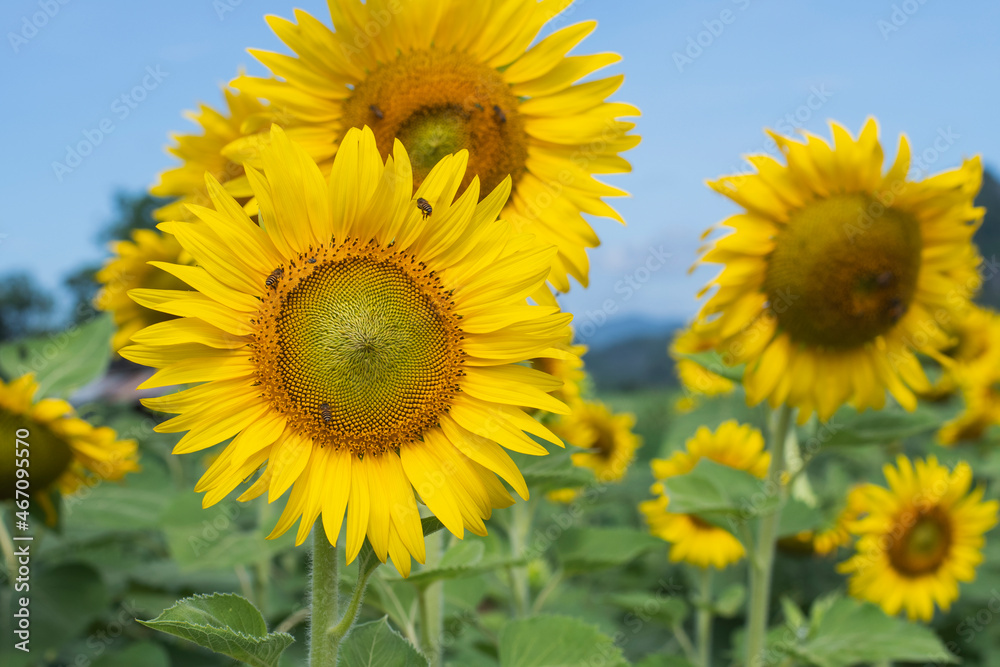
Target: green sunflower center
923	546
438	103
49	455
359	351
843	271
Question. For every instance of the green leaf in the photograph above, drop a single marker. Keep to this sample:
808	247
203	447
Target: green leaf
850	632
464	559
720	495
376	644
796	517
555	471
712	361
664	661
212	538
556	641
878	427
730	601
586	549
224	623
146	654
666	610
64	361
137	503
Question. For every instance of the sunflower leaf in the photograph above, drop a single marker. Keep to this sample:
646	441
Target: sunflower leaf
588	549
376	644
224	623
63	361
556	641
850	632
712	362
721	495
849	427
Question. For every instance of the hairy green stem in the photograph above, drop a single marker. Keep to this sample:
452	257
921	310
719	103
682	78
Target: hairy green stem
520	529
762	561
340	631
431	604
324	602
704	619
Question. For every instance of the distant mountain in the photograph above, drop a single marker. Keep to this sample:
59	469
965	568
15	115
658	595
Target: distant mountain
988	239
619	329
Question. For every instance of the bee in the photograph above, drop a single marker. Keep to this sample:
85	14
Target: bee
324	409
424	206
499	114
272	280
311	260
896	309
378	112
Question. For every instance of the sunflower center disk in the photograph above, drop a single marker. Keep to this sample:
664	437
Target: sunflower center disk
50	455
359	352
438	103
843	271
923	547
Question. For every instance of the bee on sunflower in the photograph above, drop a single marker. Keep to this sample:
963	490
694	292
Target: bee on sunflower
838	273
357	350
449	75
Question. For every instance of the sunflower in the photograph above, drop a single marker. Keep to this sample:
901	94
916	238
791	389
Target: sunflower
200	153
357	347
923	535
838	533
974	369
444	75
607	439
695	541
66	452
837	273
132	266
694	377
567	367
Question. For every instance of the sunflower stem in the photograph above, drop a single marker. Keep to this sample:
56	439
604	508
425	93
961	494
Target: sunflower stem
431	602
762	562
341	630
520	529
704	619
7	545
324	602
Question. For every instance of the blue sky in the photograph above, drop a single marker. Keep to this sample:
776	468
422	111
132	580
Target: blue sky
707	75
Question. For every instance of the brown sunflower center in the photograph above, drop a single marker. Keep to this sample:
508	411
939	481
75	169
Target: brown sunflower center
438	103
358	346
49	456
923	546
843	271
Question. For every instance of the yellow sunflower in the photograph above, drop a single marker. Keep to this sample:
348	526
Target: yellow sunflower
975	371
695	541
65	452
445	75
607	439
830	538
837	272
923	535
132	266
567	367
357	346
695	378
200	153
